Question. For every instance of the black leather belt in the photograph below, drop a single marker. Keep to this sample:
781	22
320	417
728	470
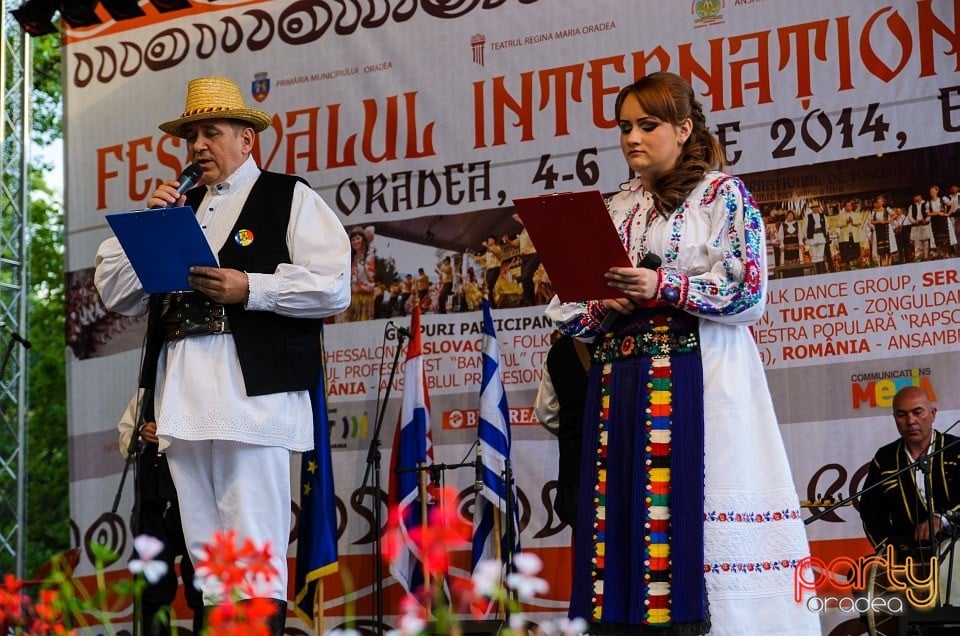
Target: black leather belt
186	314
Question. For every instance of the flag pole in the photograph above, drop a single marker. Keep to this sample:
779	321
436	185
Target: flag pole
498	551
424	511
318	609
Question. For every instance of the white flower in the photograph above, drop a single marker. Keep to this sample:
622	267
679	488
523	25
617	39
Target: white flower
147	548
411	624
527	586
563	626
518	623
413	620
527	563
572	626
486	577
523	580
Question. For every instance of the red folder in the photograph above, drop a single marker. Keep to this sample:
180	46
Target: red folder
576	240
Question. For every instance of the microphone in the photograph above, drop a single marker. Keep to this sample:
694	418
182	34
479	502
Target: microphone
478	477
403	331
650	261
188	178
13	334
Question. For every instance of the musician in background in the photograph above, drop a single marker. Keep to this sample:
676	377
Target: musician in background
159	517
559	405
895	513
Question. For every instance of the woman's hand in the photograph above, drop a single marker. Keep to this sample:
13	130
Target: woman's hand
636	283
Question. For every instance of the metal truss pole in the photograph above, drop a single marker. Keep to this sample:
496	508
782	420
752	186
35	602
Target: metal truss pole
15	73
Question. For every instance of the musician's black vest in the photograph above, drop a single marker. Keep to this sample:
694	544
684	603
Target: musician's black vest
277	353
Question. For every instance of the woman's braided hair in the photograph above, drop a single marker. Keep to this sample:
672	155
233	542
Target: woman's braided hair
670	98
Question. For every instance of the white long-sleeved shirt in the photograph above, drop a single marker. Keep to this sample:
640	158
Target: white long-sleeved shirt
200	393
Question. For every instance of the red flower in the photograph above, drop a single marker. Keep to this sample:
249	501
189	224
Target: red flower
242	618
444	530
230	565
259	563
452	531
11	600
49	619
393	537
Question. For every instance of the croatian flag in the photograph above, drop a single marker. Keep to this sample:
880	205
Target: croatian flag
412	447
493	450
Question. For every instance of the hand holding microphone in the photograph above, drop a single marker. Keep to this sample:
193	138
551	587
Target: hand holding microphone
650	261
187	179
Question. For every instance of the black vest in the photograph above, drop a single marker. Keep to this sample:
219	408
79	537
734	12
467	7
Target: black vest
812	230
277	353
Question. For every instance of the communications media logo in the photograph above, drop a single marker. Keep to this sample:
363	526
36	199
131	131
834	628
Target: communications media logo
875	389
849	585
260	87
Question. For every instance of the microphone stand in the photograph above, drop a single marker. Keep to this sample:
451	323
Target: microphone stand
435	470
133	458
373	463
134	450
511	530
436	477
923	463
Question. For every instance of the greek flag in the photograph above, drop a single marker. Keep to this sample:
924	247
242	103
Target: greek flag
496	497
412	448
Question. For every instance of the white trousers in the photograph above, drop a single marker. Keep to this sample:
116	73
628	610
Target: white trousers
817	249
224	485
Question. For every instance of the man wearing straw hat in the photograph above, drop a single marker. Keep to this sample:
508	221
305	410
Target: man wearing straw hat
232	362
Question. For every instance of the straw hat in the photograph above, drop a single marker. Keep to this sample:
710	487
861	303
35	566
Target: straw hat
215	98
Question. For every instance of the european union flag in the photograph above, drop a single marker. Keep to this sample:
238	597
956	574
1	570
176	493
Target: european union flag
317	541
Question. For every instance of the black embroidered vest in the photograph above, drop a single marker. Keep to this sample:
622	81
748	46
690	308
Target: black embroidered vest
277	353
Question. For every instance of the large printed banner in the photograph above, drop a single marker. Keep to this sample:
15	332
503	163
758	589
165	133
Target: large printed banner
420	122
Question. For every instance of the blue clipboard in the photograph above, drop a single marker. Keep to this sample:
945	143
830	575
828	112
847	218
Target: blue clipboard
162	245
